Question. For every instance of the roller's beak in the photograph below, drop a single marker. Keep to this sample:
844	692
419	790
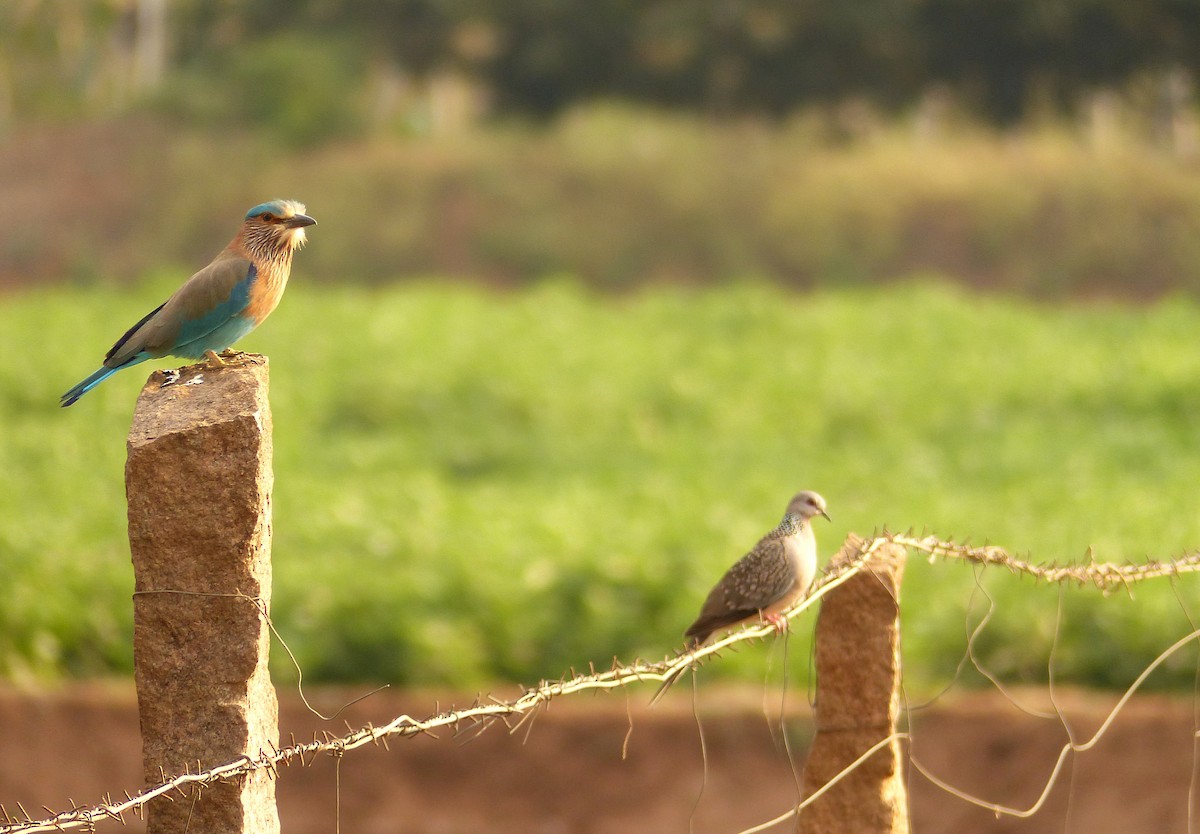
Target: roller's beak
299	221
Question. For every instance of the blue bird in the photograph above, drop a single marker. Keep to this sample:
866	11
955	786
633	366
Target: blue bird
219	304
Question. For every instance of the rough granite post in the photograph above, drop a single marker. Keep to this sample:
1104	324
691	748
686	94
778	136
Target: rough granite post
858	702
198	480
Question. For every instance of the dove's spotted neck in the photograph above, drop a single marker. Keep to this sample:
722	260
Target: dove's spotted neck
791	525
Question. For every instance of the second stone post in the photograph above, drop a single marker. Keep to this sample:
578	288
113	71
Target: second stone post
858	702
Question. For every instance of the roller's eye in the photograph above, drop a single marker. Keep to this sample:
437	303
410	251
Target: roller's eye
267	217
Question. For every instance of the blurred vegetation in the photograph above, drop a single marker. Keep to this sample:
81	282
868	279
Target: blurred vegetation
491	484
474	485
816	144
300	86
1002	60
620	198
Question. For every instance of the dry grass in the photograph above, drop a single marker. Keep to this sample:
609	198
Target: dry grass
621	198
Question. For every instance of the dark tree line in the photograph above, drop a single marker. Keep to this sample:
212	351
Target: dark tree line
769	56
540	56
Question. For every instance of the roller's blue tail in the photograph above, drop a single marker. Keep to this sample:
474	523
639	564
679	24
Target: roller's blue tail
87	385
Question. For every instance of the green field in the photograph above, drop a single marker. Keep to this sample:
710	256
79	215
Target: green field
474	485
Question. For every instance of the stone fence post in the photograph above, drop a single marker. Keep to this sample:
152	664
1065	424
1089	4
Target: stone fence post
198	481
858	702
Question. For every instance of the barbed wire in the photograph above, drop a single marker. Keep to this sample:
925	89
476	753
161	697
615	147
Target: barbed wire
515	712
1103	575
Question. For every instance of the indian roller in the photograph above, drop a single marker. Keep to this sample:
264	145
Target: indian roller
219	304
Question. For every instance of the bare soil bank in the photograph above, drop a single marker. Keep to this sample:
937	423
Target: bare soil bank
567	773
